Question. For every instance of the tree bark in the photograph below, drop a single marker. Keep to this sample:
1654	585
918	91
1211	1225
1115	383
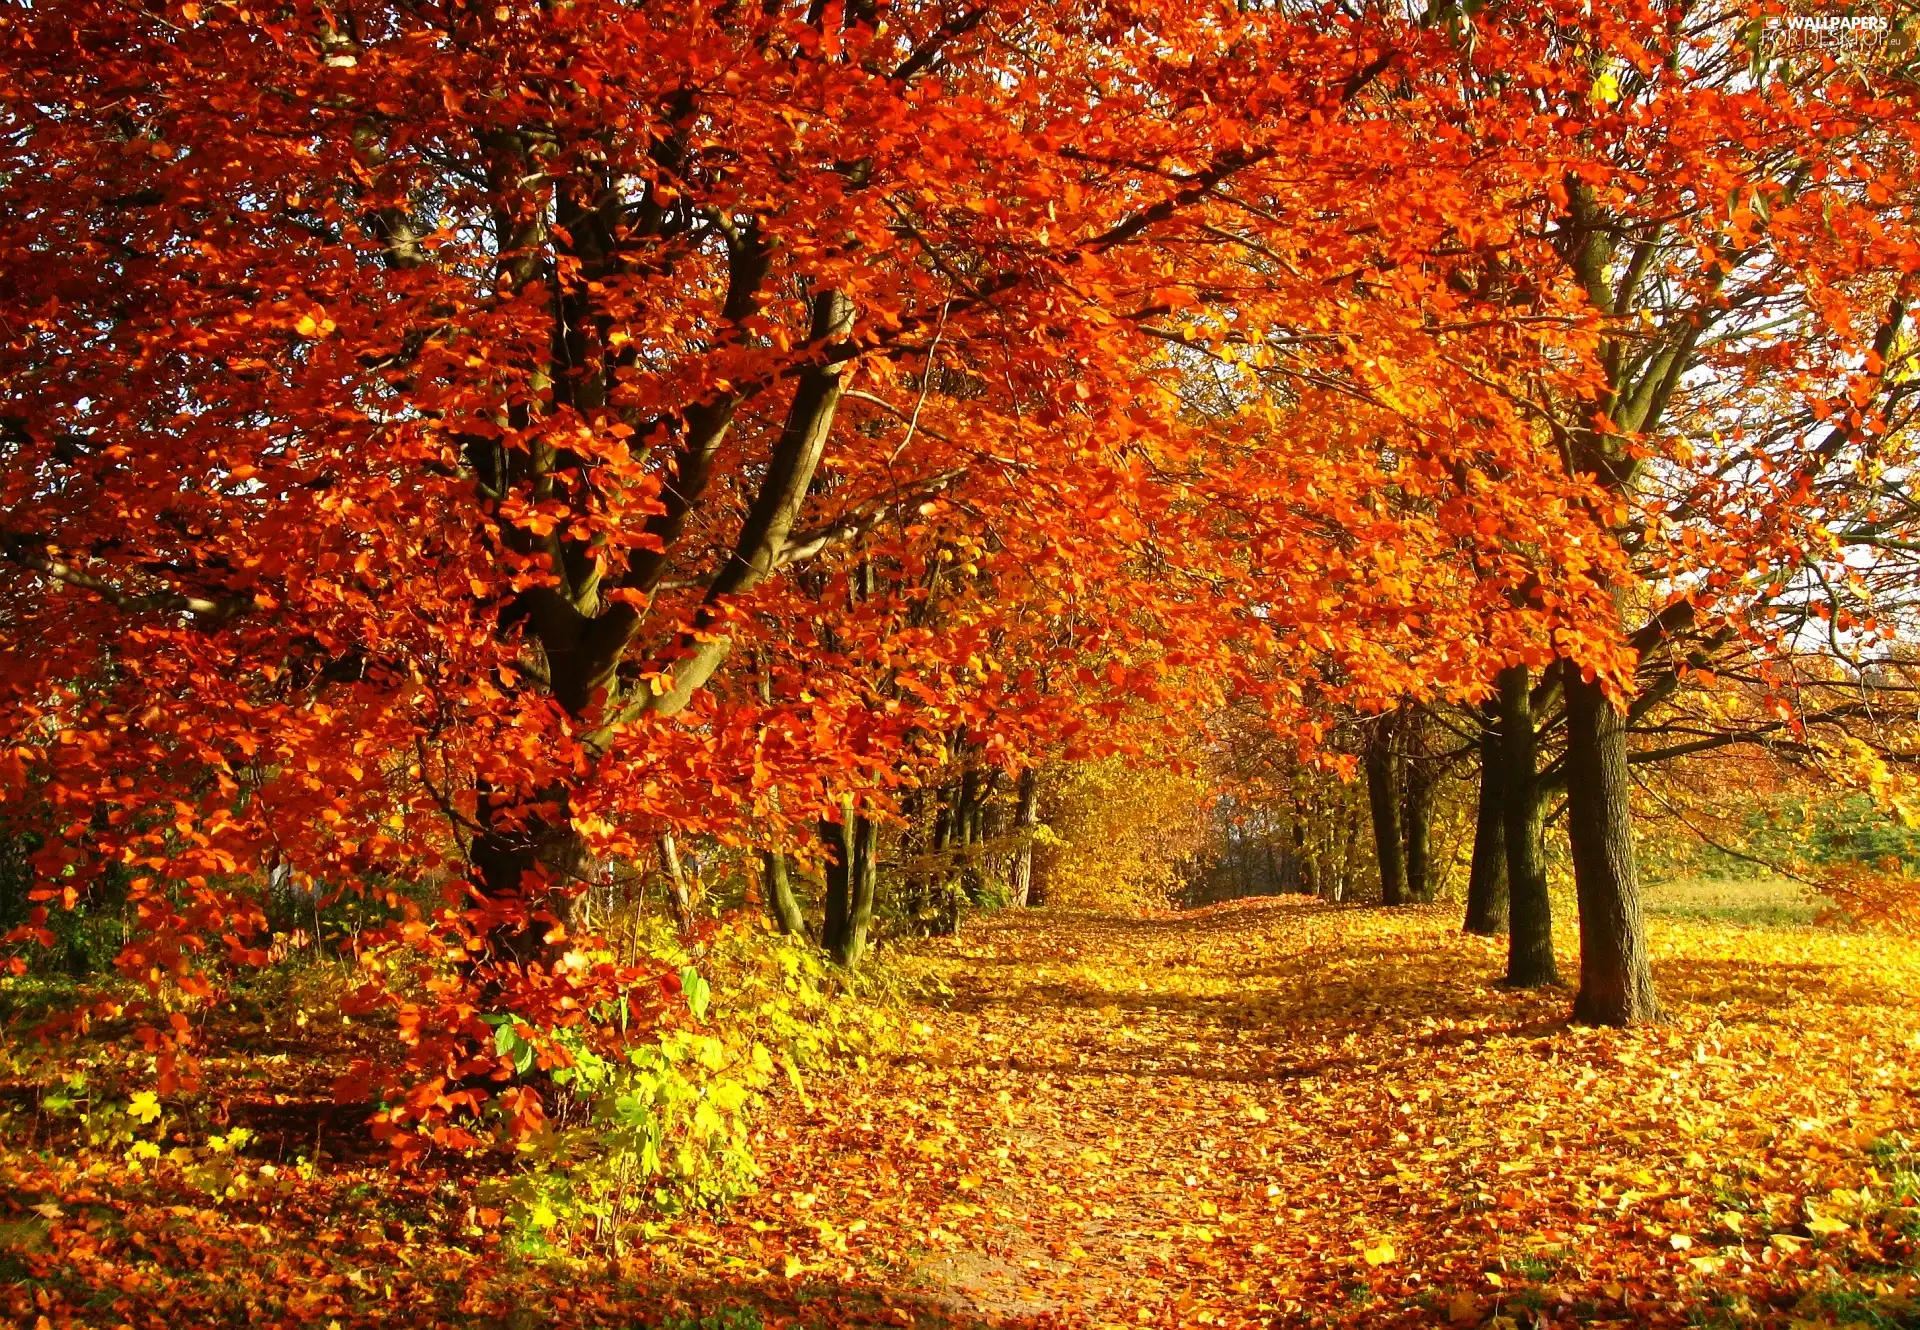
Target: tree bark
533	874
677	885
943	894
1530	962
1025	819
1349	850
1487	879
1616	981
701	650
839	894
966	825
778	881
853	845
1305	878
1419	812
1383	794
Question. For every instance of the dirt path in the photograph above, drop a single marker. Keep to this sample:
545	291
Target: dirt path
1276	1112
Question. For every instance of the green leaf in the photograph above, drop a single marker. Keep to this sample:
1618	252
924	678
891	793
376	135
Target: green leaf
699	992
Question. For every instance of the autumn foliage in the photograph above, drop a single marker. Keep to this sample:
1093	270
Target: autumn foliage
472	464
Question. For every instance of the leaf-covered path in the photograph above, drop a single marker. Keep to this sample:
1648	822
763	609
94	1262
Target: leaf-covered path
1280	1110
1265	1113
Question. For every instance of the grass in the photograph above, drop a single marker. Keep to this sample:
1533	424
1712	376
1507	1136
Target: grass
1756	902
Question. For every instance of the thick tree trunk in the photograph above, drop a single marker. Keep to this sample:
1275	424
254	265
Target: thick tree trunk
1025	818
1383	795
778	883
1487	879
852	847
843	841
1530	962
534	876
1616	981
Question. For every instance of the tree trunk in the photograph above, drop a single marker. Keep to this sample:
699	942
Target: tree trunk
1487	879
1616	981
534	874
943	894
1419	811
778	882
678	888
1349	850
838	903
1383	794
1305	879
1025	818
1530	961
701	650
852	845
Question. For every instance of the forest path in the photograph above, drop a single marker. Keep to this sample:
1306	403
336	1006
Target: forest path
1278	1110
1125	1084
1266	1112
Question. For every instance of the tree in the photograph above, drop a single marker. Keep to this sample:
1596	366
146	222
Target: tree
428	405
1385	770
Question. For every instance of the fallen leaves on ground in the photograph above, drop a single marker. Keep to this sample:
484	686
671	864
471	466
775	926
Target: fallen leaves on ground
1256	1113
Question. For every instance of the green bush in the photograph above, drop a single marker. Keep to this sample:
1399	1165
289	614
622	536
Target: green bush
668	1127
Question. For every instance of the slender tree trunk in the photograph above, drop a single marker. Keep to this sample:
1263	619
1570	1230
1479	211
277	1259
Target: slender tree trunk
945	891
1616	981
1419	811
700	652
1383	794
778	884
1487	879
1025	818
966	825
678	888
1530	962
838	904
1306	852
1349	851
1044	859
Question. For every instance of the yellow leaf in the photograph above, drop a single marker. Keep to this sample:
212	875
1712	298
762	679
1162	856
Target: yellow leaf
1826	1224
793	1266
1380	1254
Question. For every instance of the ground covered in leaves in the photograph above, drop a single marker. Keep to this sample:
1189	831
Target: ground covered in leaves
1261	1112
